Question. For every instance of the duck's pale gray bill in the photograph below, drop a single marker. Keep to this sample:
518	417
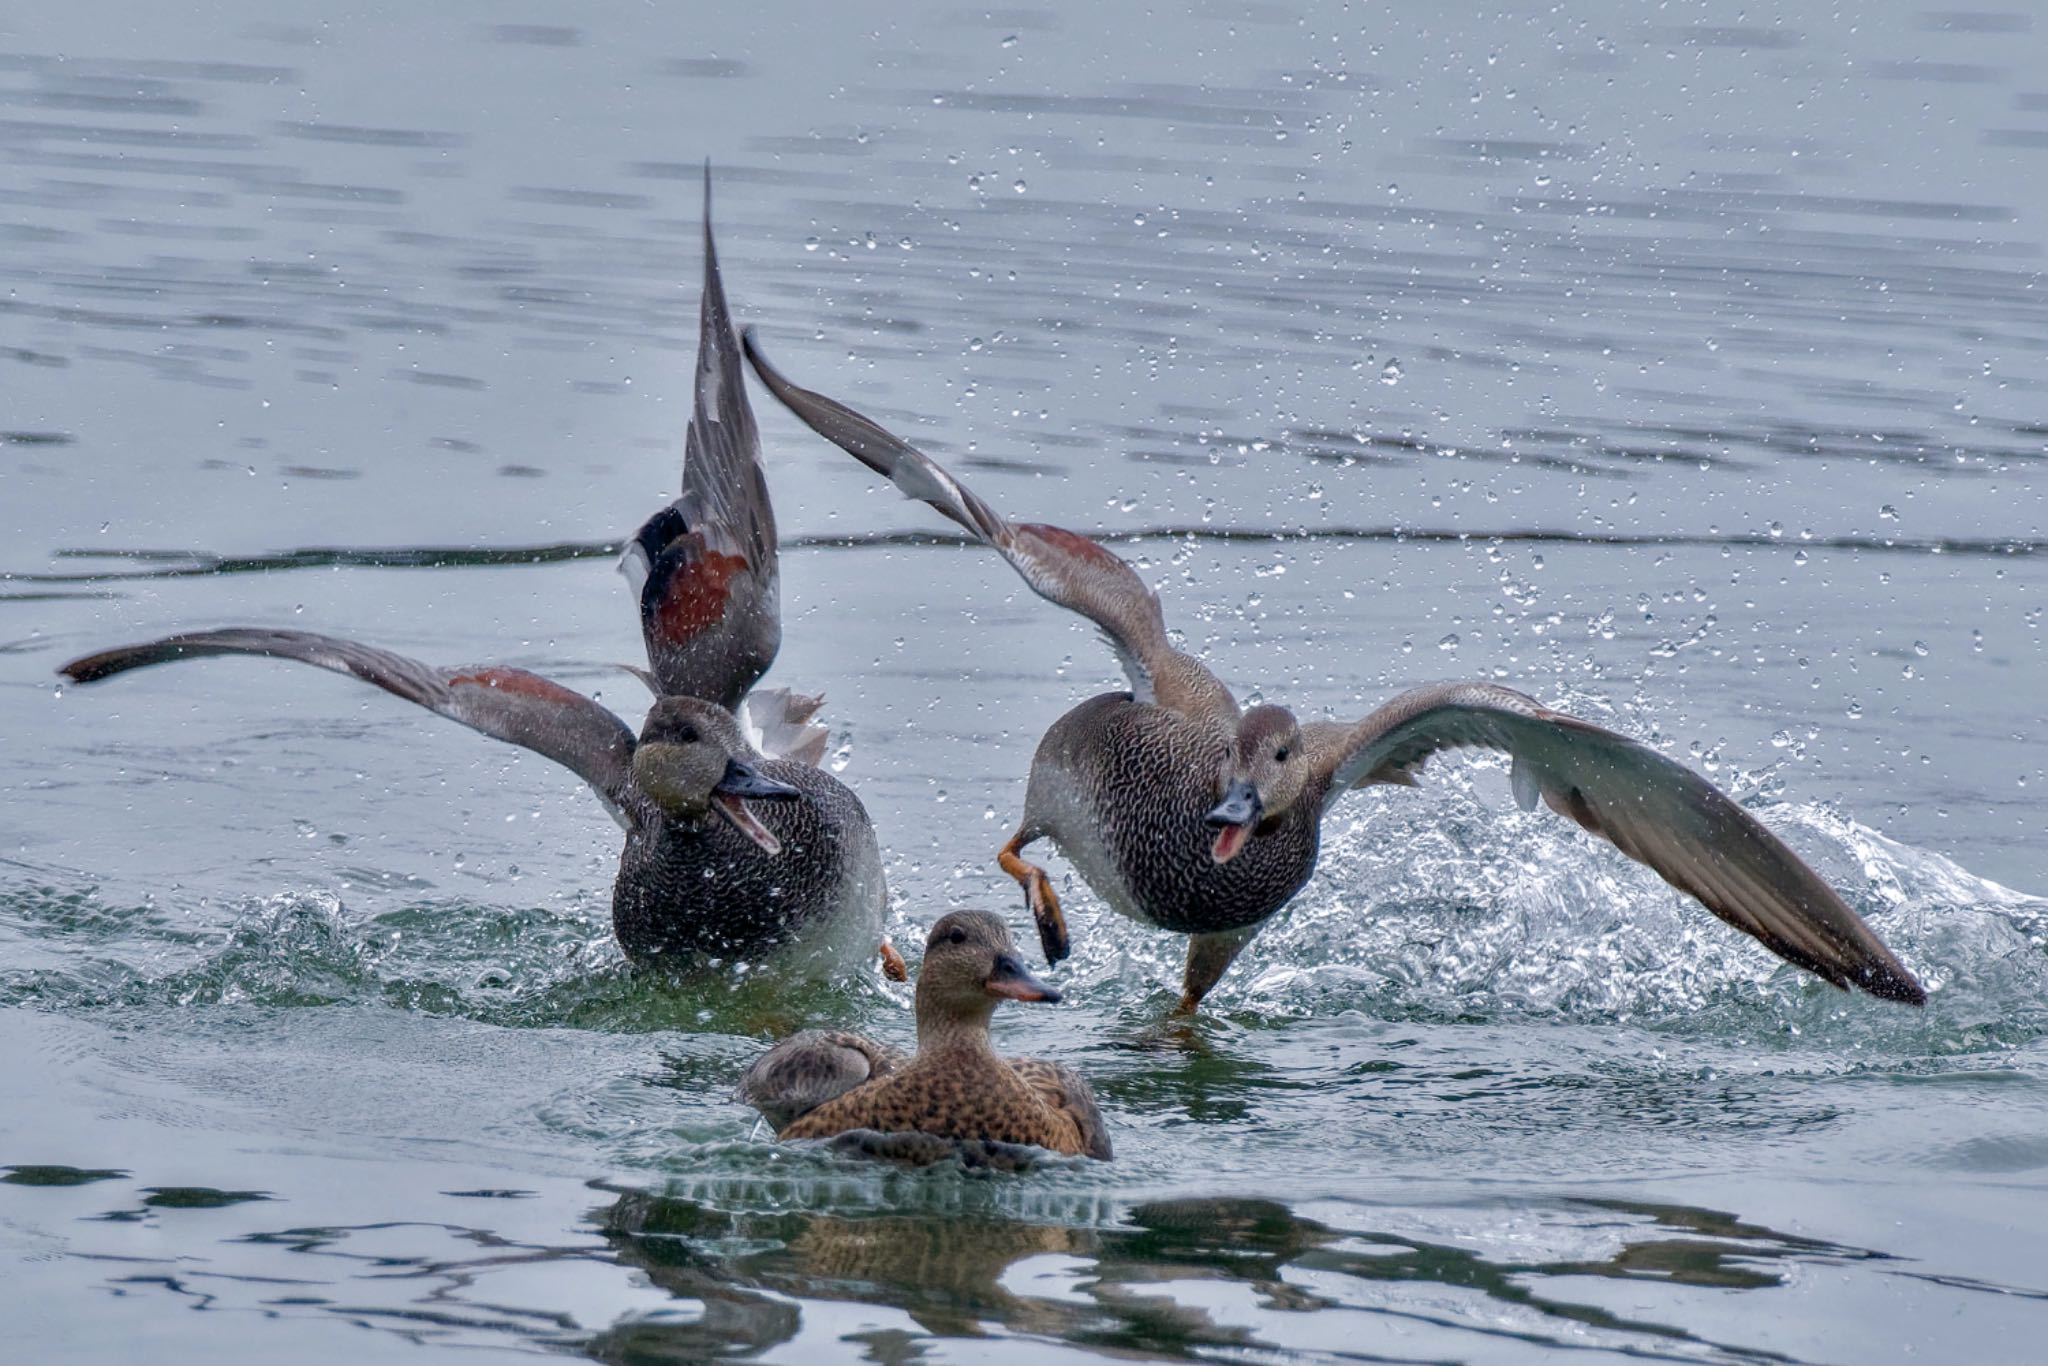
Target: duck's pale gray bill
744	780
1010	979
1240	806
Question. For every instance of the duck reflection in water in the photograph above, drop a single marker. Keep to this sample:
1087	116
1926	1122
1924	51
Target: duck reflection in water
1136	1286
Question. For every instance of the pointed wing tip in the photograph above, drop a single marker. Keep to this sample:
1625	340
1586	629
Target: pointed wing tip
791	394
1885	979
714	285
1892	984
106	663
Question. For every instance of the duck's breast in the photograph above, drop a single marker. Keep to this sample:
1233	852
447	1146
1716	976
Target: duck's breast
690	892
1122	786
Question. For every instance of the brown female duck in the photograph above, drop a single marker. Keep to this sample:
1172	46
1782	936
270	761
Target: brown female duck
1187	813
826	1083
736	841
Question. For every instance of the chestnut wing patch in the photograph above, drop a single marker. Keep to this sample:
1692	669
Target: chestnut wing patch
707	609
1074	544
505	678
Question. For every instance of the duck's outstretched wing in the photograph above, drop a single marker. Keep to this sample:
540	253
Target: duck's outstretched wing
705	565
1068	1092
503	702
803	1072
1656	811
1060	565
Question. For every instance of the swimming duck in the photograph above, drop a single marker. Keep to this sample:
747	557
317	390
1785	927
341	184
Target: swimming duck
1189	813
736	841
826	1083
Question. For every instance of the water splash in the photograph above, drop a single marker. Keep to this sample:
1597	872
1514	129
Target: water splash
521	967
1454	906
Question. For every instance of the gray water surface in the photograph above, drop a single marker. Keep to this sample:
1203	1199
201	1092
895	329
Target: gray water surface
1683	365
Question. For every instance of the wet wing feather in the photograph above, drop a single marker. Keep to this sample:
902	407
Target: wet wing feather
503	702
1068	1092
1061	566
705	566
1654	810
803	1072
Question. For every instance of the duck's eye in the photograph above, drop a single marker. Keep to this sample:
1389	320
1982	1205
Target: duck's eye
1280	755
687	735
958	936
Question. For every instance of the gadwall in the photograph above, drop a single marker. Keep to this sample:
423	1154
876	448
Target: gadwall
736	841
827	1083
1187	813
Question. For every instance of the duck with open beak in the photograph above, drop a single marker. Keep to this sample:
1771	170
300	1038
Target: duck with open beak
1190	813
693	762
738	844
1260	779
1233	819
729	799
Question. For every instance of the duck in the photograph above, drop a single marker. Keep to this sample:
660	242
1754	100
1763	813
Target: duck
956	1089
1197	816
737	843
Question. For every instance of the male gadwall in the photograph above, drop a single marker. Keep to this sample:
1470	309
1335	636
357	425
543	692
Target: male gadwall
736	841
1186	813
825	1083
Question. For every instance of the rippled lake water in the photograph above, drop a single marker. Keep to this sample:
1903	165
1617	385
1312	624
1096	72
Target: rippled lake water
1684	365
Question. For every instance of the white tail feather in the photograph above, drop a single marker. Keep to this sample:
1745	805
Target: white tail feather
778	723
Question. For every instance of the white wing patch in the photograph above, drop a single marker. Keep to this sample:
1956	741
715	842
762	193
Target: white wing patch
635	565
1528	787
922	481
1142	688
710	392
751	729
778	724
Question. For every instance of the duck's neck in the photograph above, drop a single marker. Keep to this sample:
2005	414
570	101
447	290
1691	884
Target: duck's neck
954	1035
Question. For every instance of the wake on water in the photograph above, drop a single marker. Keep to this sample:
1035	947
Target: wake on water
1448	905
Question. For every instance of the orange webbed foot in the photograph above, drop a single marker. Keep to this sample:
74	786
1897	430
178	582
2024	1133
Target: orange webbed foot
1043	901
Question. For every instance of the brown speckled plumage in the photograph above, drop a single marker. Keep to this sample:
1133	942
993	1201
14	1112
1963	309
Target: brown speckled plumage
956	1086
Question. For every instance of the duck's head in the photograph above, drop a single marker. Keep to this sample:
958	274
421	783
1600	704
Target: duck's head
693	760
970	964
1259	780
